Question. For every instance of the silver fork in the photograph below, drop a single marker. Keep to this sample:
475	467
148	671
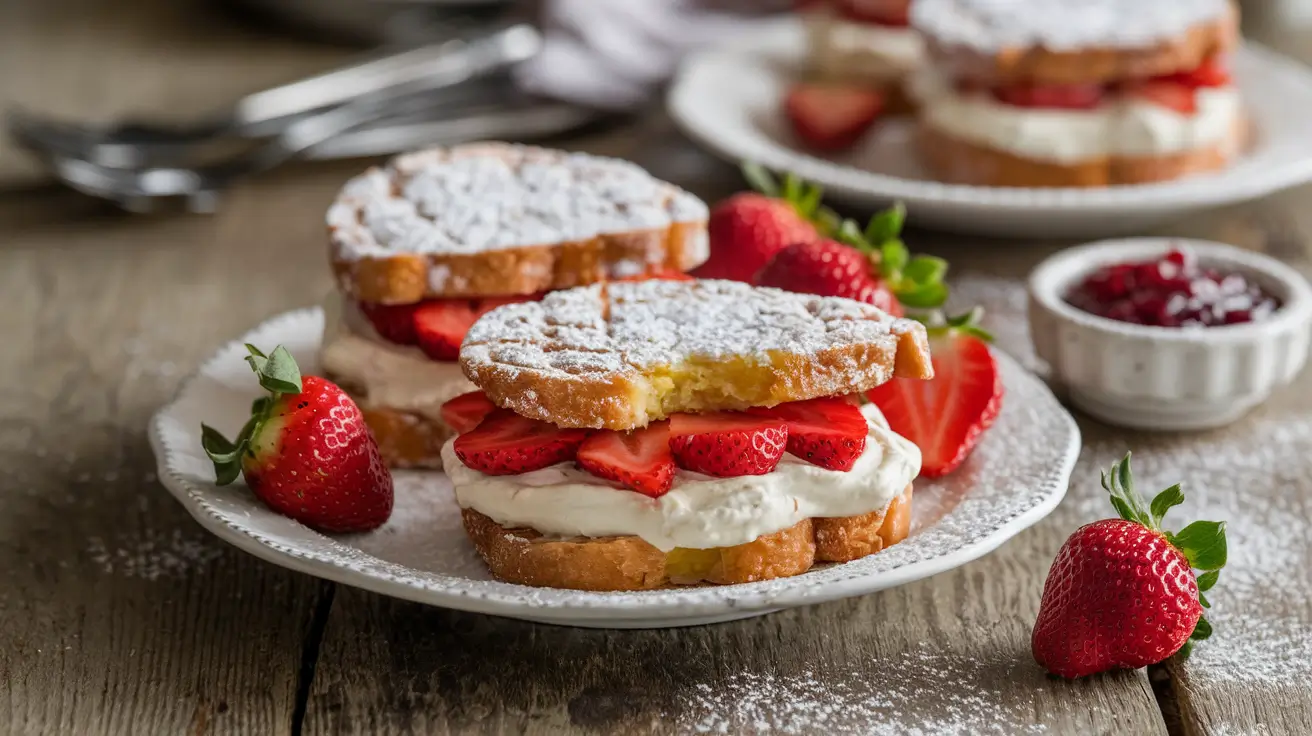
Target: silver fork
131	145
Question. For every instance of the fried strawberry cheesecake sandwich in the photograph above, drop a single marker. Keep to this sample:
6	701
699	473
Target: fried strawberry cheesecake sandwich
647	434
863	42
426	244
1077	93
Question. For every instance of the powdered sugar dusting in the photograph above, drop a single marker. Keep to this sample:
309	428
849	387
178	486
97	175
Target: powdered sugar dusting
1060	25
153	556
889	700
639	326
489	196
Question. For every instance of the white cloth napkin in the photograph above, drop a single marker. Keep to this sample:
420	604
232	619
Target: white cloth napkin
615	54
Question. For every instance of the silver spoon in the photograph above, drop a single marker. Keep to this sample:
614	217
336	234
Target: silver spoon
133	144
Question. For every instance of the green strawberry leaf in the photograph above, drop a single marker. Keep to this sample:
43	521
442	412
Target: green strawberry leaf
927	296
1185	650
886	224
893	257
1207	580
226	473
1203	544
925	269
280	373
1203	600
760	179
1122	509
827	222
792	187
1163	502
850	234
1202	630
260	405
808	203
216	446
255	351
225	455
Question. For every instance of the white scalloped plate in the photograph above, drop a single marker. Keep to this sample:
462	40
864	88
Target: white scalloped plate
728	100
1016	476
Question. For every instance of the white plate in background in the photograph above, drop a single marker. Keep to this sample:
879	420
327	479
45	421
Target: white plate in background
729	101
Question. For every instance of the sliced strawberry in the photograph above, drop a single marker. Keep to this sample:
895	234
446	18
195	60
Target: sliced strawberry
394	323
639	459
829	432
465	411
1213	72
727	444
1065	96
830	117
1172	95
946	415
505	443
440	326
880	12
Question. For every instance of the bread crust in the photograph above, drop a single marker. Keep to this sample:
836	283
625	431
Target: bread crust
1040	65
626	563
391	244
957	161
540	361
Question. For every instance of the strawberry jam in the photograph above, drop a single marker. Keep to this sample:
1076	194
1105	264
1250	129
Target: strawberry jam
1172	291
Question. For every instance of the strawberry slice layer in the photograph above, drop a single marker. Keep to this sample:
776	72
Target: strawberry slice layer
727	444
505	443
1066	96
946	415
394	323
437	326
466	411
639	459
440	327
830	432
830	117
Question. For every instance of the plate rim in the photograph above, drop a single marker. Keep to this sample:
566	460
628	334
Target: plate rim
772	38
668	612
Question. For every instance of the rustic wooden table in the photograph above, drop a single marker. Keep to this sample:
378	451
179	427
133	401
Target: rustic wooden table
118	614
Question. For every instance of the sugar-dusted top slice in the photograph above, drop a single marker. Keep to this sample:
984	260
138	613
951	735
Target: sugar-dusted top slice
993	26
621	355
490	196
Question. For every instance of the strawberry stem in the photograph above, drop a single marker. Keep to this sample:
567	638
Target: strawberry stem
278	374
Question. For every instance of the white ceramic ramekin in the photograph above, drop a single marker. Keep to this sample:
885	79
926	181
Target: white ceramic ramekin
1162	377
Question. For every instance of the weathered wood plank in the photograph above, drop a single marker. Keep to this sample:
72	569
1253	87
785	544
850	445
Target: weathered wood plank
119	614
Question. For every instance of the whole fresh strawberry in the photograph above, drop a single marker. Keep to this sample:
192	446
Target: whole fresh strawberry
1122	592
831	116
871	266
305	451
747	229
946	415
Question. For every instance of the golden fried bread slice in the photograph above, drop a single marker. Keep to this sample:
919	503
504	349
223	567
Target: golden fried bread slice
621	355
491	219
526	557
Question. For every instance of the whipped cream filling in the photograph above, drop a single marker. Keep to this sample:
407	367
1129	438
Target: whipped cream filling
1121	126
393	376
844	48
700	511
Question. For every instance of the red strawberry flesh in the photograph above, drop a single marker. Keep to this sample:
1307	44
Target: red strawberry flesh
639	459
466	411
830	432
831	117
394	323
440	327
727	444
946	415
505	443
